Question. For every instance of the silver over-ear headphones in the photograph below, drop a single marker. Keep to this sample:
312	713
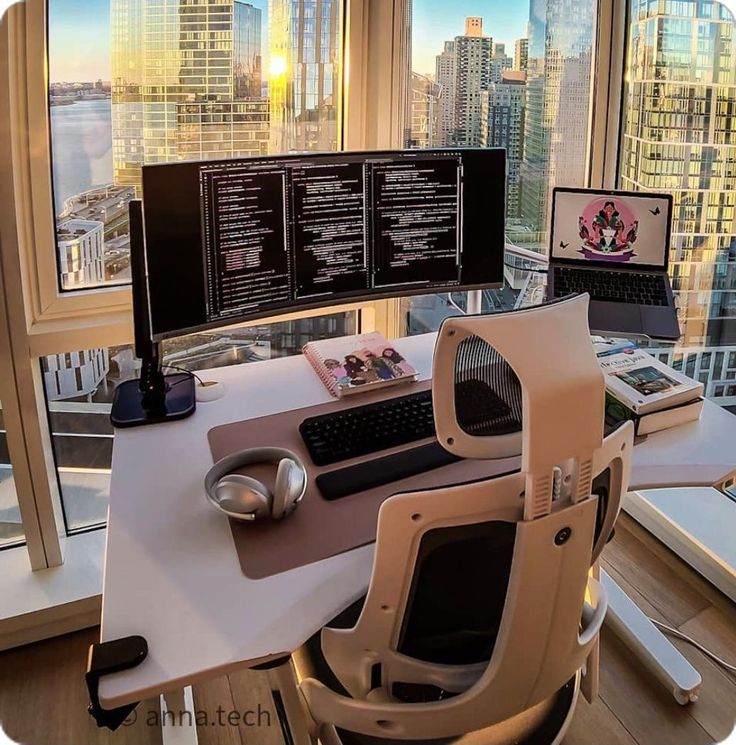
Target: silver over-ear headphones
245	498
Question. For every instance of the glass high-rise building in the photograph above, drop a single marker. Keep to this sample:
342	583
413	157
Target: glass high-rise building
680	137
247	53
304	75
557	103
174	64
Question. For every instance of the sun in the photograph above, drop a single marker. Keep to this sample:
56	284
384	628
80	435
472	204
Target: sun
277	66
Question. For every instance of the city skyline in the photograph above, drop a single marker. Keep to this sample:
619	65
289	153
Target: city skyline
540	114
70	62
433	23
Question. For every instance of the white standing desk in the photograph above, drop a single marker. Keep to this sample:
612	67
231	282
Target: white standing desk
171	571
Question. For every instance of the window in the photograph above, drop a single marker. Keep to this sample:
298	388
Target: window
80	385
156	82
11	528
678	136
517	77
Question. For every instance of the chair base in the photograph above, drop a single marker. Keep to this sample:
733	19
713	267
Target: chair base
546	725
548	729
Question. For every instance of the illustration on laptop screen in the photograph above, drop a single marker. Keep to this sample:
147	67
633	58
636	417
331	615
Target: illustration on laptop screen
612	228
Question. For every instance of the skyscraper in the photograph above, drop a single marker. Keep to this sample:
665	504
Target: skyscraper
680	119
173	91
304	74
499	62
445	78
557	103
423	112
472	76
502	114
247	57
521	54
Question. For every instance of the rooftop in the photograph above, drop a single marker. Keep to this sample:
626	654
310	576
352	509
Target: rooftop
70	230
513	76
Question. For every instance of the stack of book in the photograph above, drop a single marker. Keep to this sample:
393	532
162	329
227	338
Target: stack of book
644	390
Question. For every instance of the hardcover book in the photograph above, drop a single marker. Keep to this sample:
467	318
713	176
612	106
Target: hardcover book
655	421
358	363
644	384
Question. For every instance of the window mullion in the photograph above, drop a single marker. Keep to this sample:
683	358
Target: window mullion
608	73
28	424
16	447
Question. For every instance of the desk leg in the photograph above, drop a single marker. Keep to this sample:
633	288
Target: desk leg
291	710
652	648
178	718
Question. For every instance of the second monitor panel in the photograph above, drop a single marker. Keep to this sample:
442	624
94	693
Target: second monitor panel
242	239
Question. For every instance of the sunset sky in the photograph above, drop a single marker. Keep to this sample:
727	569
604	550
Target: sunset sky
79	32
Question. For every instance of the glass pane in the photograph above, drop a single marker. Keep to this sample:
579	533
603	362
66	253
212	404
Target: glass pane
11	528
512	75
679	136
255	343
80	385
160	81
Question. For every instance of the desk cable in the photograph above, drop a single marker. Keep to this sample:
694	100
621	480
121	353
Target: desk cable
184	370
679	635
531	270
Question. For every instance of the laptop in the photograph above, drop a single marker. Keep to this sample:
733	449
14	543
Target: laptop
615	246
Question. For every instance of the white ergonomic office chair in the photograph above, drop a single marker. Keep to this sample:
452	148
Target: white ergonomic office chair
481	610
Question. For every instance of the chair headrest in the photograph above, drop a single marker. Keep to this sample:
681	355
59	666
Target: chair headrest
527	381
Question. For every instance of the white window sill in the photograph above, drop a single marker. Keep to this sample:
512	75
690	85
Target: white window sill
49	602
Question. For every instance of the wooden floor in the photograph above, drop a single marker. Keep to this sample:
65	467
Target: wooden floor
43	699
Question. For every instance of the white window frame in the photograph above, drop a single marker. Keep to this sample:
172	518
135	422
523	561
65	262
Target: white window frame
48	307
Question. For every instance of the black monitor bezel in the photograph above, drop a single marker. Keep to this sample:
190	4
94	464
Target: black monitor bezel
347	299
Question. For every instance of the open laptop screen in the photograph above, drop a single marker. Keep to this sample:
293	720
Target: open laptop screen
617	229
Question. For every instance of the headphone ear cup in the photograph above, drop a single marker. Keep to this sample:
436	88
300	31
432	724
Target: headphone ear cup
243	495
288	488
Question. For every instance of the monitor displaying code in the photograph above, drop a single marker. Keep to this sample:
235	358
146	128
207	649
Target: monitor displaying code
242	239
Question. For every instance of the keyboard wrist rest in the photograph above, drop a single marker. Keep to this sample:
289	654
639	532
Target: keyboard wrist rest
369	474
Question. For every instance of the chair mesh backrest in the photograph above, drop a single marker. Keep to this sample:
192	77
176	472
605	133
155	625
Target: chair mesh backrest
487	391
447	619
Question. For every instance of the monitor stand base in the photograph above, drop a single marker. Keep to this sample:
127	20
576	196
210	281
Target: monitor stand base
132	407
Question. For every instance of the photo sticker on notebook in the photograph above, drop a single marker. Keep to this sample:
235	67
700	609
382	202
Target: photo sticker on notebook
369	365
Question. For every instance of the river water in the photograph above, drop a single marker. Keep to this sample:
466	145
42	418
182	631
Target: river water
81	148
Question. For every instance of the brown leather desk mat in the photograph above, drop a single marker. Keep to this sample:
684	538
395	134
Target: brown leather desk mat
319	529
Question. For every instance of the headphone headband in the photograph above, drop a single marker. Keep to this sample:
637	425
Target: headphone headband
233	462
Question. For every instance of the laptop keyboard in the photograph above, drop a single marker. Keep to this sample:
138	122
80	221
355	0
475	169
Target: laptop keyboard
617	287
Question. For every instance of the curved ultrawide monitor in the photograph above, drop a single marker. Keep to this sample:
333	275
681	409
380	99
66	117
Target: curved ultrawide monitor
238	240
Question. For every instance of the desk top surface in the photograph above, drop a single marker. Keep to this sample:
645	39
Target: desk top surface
172	573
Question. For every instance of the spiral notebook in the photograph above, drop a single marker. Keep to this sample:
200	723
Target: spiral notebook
352	364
